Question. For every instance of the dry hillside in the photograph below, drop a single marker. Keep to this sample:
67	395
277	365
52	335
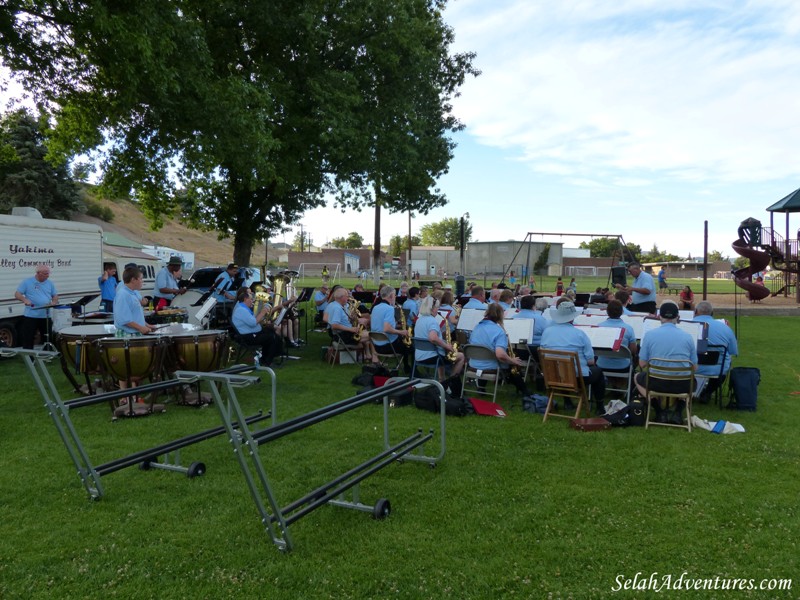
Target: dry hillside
130	222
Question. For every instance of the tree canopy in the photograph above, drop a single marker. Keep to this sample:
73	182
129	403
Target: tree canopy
446	232
27	176
353	241
398	244
604	247
256	114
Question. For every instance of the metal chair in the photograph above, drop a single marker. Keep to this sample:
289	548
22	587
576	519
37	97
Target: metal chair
663	369
494	376
619	382
562	377
434	364
715	354
385	351
338	345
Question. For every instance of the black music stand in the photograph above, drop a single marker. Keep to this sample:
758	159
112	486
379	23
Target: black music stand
306	295
82	304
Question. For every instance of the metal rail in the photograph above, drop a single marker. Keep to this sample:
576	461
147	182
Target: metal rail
276	519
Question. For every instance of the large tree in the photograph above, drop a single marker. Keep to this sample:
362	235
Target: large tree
27	176
260	112
401	77
607	247
446	232
398	244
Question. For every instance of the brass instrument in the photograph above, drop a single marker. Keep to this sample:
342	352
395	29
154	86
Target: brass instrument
407	341
261	298
514	370
354	314
448	337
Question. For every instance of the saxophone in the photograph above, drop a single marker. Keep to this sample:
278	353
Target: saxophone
453	354
353	313
407	341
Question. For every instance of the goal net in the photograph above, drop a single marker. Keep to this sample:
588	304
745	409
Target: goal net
582	271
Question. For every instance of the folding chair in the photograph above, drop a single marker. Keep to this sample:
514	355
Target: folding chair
532	367
562	377
663	369
385	352
238	349
432	365
473	351
619	382
338	345
715	354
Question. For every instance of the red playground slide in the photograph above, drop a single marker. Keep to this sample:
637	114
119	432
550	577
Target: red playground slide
759	259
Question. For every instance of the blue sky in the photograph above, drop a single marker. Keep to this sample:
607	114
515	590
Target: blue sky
642	118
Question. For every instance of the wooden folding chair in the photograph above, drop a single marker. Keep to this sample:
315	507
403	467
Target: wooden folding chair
664	369
562	377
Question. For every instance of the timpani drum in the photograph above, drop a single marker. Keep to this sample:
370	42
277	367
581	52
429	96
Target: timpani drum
130	358
77	353
197	350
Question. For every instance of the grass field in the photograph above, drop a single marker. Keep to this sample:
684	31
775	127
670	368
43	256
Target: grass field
517	508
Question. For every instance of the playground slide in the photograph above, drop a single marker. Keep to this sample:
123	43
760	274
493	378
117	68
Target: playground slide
759	259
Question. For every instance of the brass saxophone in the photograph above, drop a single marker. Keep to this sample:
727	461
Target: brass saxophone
354	313
452	354
407	341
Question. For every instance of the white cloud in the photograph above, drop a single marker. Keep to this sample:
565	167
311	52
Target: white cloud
699	91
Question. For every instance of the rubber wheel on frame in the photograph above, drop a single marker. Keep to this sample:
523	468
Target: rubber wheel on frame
196	469
382	509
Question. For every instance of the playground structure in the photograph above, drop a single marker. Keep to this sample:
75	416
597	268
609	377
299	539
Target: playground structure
763	246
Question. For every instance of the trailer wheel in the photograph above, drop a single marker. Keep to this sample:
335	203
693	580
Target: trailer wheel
195	469
145	465
8	333
382	509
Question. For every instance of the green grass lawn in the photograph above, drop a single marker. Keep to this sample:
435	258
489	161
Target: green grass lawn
517	508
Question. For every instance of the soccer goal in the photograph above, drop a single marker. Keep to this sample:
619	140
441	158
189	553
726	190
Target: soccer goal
582	271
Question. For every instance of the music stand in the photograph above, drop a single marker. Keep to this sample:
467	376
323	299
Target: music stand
364	297
305	295
83	302
205	309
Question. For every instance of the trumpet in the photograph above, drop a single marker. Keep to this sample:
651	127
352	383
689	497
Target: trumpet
514	370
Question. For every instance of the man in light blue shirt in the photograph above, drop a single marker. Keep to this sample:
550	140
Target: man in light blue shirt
249	328
128	313
563	335
478	299
167	283
32	292
666	342
108	286
383	320
614	310
223	287
412	304
642	290
719	334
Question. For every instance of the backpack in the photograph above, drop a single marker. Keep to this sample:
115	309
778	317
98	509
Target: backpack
637	412
427	398
743	388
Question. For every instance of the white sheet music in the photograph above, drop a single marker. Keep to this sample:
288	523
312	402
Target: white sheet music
469	318
205	309
694	328
510	313
604	337
519	330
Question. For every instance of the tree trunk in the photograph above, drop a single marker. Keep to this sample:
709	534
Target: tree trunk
242	248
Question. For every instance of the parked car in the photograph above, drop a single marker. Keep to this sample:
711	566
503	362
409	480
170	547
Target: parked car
202	279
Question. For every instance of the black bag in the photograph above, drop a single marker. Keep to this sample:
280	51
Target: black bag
367	373
743	388
427	398
637	412
619	418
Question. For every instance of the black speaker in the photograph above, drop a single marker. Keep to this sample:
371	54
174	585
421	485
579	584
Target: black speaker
618	276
